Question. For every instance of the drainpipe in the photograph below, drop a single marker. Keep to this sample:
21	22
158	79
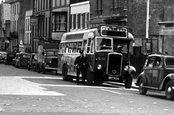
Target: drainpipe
50	27
147	20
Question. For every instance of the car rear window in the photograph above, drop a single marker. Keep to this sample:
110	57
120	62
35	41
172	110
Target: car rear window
169	62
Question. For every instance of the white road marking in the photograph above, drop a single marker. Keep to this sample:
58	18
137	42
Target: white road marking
33	77
18	86
116	92
111	91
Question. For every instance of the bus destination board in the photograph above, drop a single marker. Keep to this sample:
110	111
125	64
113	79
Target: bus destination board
113	31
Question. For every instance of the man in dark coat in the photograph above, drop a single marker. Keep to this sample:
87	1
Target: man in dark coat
80	64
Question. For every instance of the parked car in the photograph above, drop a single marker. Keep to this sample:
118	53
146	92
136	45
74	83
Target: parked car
157	74
21	59
3	57
9	57
47	61
32	63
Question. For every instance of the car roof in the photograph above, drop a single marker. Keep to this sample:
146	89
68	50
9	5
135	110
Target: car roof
23	53
161	55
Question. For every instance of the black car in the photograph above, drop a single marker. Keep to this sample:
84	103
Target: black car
157	74
9	58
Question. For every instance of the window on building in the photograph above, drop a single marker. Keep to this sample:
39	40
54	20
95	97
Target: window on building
48	4
46	27
83	20
74	21
78	21
67	2
53	3
99	7
28	24
87	20
59	22
25	24
44	4
53	23
57	2
41	4
116	4
62	2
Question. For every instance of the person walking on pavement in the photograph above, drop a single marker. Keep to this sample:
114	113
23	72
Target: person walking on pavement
80	63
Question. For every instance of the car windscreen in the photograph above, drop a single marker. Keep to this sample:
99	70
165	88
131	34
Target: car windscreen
169	62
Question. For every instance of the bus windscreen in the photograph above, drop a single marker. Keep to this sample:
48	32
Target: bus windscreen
121	34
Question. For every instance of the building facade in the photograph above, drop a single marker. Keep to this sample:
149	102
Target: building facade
112	12
4	35
42	28
79	15
60	18
14	17
28	31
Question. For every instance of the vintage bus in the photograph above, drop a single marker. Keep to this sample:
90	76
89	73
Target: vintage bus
106	49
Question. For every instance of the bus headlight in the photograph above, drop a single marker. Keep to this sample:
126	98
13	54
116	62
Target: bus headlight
99	66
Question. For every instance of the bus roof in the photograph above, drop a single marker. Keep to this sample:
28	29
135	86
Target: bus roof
84	34
76	36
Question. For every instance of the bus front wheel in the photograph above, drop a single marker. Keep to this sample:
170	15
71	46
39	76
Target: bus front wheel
89	76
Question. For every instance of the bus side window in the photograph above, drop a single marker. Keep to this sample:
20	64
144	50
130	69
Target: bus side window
67	47
79	46
92	47
85	46
70	48
89	45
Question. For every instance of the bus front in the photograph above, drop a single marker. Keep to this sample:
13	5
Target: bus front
112	56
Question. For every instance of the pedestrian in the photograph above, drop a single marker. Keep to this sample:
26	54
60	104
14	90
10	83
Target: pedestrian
80	63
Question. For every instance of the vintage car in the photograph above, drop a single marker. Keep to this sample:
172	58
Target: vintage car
157	74
32	63
9	57
47	61
21	59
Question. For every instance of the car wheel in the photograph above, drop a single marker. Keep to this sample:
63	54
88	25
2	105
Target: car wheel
89	76
64	73
128	81
142	89
169	91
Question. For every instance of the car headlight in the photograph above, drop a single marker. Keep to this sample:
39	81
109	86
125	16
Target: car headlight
99	66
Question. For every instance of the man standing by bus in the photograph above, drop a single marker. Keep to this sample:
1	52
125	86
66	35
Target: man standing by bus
80	64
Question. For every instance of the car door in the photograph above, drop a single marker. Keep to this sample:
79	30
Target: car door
156	71
148	70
